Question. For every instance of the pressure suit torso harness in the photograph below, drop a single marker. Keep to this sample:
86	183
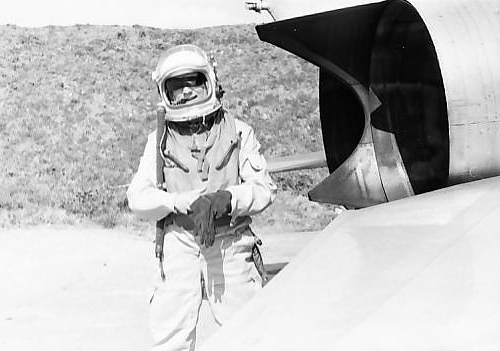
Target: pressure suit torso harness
206	159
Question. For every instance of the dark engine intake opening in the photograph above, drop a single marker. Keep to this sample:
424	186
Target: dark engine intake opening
342	119
406	77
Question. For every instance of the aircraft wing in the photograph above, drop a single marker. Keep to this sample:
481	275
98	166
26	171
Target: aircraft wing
303	161
421	273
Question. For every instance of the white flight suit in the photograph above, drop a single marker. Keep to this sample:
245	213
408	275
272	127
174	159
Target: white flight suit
227	267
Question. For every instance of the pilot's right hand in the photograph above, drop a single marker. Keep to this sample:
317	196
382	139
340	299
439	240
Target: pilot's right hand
183	201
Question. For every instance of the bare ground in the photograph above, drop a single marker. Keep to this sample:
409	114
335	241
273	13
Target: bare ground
70	288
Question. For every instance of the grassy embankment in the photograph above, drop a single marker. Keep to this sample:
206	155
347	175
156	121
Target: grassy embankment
76	104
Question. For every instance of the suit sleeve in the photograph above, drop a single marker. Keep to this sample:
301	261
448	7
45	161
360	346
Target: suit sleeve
144	198
256	190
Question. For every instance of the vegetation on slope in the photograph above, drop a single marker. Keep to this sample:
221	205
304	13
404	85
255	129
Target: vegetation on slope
76	105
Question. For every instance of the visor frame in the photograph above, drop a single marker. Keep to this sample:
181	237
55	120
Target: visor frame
196	81
181	72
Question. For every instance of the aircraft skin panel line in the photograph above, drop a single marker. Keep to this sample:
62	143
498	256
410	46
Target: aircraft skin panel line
467	42
420	273
390	165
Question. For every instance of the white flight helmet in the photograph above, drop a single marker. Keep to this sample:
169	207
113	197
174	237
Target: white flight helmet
187	83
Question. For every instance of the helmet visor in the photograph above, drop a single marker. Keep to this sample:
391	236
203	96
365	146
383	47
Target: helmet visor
186	89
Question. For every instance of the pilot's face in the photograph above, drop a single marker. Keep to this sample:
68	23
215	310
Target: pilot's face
186	89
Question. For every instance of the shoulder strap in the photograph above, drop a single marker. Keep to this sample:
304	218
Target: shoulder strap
160	181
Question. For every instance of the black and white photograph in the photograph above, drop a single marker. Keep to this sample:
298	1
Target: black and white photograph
250	175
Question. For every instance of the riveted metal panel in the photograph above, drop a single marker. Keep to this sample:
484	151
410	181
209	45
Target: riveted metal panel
470	161
466	34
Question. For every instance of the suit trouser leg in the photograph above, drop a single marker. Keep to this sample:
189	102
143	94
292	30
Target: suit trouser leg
177	300
230	276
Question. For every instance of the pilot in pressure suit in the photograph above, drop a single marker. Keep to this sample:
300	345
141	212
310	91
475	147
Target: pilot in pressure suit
215	179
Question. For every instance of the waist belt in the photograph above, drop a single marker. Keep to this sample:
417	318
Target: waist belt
223	225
